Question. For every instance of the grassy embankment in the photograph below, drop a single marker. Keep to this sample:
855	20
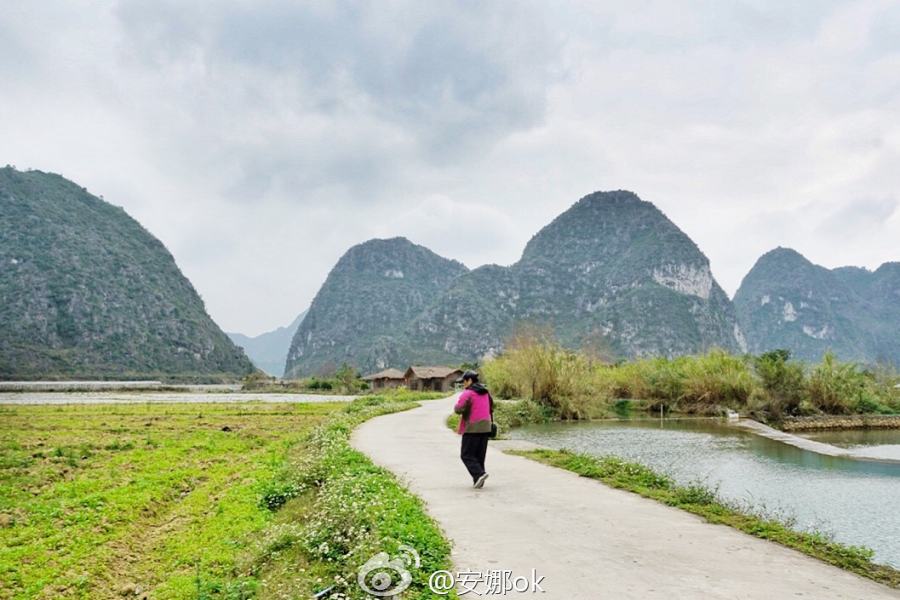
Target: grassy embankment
199	502
549	382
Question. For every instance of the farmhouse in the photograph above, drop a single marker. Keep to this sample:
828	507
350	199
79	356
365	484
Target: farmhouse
389	378
438	379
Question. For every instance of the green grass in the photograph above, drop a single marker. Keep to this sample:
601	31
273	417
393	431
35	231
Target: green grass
199	502
701	501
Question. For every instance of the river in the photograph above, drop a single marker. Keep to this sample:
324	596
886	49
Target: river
852	500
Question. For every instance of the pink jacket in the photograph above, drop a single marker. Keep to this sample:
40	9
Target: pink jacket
475	410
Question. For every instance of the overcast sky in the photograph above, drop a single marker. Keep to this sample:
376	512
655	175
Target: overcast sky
260	140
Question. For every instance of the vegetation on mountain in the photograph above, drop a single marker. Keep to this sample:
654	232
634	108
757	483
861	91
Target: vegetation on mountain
785	301
87	293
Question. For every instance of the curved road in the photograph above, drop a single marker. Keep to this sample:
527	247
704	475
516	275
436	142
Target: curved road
588	541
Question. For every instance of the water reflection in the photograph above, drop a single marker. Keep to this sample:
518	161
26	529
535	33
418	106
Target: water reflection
850	499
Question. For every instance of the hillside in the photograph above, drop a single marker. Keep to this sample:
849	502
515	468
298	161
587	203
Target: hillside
268	351
785	301
361	313
87	293
612	272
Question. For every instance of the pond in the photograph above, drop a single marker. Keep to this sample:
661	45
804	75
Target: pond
854	501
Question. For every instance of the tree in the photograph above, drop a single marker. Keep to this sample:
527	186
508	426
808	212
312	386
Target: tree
782	381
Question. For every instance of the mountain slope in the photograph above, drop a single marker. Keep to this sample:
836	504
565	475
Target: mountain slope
785	301
622	268
86	292
268	351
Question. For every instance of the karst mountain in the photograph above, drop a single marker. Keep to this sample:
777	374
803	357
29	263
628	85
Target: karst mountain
786	301
87	293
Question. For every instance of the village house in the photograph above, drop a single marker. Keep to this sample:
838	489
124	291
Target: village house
437	379
387	379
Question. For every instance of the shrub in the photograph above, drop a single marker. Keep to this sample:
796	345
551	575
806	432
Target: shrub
783	388
538	368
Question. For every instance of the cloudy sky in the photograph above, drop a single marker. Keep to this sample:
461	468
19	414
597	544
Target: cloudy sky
259	140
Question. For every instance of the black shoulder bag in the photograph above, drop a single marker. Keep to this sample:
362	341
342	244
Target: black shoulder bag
493	432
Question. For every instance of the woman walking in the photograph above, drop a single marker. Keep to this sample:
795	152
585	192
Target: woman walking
476	408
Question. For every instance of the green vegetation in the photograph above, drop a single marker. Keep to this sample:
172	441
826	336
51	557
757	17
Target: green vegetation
704	502
555	382
344	382
337	511
198	501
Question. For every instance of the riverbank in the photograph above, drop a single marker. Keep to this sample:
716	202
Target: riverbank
587	540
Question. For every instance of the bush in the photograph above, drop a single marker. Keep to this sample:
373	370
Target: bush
538	368
771	386
834	387
717	379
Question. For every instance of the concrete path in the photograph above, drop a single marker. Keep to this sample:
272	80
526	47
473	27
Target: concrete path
586	540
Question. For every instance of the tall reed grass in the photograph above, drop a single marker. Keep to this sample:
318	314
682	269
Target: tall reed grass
573	385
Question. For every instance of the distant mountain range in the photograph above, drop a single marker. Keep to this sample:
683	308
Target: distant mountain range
268	351
87	293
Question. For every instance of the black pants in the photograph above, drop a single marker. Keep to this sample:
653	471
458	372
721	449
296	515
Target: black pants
474	449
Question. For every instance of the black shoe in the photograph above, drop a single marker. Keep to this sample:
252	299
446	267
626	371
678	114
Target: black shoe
479	483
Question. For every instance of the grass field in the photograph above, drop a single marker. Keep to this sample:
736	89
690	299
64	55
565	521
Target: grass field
156	501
